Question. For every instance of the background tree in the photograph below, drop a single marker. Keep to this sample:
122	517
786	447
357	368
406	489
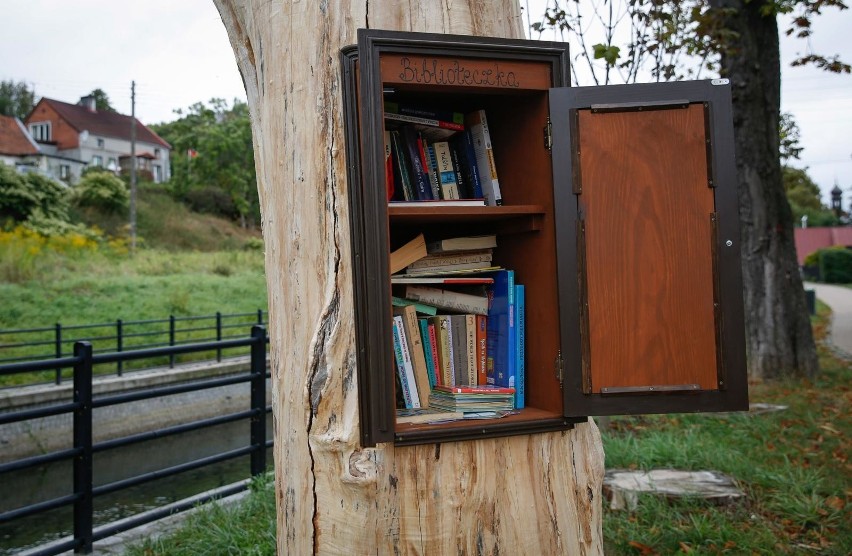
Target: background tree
333	495
16	99
212	159
102	103
740	38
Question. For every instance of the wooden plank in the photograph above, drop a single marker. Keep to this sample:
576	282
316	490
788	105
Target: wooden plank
450	72
650	278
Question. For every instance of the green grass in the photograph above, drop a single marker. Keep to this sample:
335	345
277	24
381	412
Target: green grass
793	466
247	528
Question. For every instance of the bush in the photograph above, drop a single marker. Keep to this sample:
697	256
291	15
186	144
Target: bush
103	192
211	200
25	196
835	265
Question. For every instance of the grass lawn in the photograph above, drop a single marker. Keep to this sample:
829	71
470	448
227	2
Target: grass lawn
793	466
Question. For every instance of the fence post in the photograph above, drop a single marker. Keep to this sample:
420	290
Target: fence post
83	506
119	343
260	316
58	346
171	340
258	400
218	335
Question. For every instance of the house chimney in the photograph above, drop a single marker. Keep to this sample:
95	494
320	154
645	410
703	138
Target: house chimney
88	101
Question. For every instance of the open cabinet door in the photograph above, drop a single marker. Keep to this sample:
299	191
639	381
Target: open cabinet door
648	239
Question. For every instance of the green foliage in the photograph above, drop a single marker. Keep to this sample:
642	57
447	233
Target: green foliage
209	199
223	159
16	99
789	136
835	265
102	103
103	192
804	198
31	196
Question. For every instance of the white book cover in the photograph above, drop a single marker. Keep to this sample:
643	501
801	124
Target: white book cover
445	170
478	125
407	365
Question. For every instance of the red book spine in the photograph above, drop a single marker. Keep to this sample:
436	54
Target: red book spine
433	342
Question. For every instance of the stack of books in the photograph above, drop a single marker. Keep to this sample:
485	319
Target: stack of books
439	156
468	399
456	327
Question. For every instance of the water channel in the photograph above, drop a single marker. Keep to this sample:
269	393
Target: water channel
54	480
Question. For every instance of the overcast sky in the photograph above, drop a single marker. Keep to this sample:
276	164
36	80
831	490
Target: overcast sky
178	54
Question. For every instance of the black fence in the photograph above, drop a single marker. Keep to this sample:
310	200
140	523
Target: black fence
83	450
34	344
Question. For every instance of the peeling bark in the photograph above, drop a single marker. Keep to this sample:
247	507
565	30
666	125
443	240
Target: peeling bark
515	495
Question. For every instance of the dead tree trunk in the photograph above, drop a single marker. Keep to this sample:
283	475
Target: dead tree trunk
537	494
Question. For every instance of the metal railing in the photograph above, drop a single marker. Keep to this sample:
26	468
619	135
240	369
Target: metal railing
33	344
83	450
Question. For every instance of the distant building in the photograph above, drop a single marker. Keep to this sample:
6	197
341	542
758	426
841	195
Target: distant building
809	240
99	138
19	149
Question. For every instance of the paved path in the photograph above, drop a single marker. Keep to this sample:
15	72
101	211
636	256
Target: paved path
839	299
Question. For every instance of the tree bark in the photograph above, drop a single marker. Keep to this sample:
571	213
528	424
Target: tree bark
537	494
779	339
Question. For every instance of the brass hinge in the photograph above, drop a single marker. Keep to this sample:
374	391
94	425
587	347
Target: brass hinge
558	367
548	135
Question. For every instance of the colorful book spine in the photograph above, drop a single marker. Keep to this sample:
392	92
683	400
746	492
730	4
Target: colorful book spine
459	332
481	350
424	112
419	177
431	122
410	378
478	125
427	350
400	362
416	352
433	342
432	170
443	343
464	142
476	389
389	181
446	172
448	299
501	330
465	192
520	335
470	344
402	175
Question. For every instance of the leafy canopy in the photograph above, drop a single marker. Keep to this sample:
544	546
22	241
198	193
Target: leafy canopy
16	99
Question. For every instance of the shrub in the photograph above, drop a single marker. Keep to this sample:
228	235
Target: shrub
23	196
835	265
211	200
102	191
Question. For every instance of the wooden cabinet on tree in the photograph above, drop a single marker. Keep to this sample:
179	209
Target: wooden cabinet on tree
619	216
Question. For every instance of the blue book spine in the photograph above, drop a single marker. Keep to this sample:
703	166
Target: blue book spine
520	335
472	170
427	351
400	367
419	177
500	342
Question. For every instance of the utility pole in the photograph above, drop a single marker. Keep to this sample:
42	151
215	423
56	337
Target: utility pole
133	166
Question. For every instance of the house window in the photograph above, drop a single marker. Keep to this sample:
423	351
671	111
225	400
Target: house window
112	163
97	160
40	131
64	171
158	173
156	153
100	143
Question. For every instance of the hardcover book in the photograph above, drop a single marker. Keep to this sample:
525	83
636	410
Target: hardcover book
419	177
448	299
465	243
409	253
443	337
403	190
427	350
453	258
467	157
446	172
459	332
478	125
520	333
470	345
416	352
403	365
501	330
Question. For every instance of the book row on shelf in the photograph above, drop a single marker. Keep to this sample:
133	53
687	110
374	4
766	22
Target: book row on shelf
458	335
439	156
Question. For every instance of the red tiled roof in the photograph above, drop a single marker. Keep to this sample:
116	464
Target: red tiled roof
106	124
13	140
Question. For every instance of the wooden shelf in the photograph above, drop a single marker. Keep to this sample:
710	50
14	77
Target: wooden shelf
526	217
